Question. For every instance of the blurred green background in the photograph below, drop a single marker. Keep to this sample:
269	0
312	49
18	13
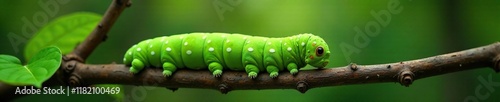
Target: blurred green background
422	28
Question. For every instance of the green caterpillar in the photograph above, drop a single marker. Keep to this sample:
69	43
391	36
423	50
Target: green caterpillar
218	51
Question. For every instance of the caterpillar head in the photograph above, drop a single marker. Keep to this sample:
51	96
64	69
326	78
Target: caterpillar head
317	52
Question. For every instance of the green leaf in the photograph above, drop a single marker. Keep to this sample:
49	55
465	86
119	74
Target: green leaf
41	67
64	32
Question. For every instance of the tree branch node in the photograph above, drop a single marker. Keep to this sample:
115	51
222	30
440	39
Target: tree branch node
68	66
72	56
406	78
75	80
353	66
302	86
129	3
120	2
224	89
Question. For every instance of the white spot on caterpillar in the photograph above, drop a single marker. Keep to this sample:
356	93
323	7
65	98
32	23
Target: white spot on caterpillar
148	41
303	44
228	49
204	37
185	43
188	52
134	45
166	42
289	49
250	49
272	50
124	60
209	41
211	49
152	53
314	43
138	49
130	53
151	45
168	49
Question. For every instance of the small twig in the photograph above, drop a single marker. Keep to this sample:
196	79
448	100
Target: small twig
97	36
403	72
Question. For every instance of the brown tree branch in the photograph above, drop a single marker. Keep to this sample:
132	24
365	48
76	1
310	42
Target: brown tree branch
403	72
83	50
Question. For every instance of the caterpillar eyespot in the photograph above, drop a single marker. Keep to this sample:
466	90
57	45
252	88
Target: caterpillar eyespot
220	51
319	51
